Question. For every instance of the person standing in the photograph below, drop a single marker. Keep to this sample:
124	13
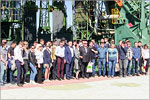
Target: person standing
69	58
47	61
74	43
39	58
129	56
25	59
123	60
102	50
4	41
32	64
112	59
136	58
93	56
35	43
94	44
120	42
19	61
141	58
60	54
85	55
53	58
80	43
77	62
42	42
107	45
11	62
3	62
146	57
102	40
112	41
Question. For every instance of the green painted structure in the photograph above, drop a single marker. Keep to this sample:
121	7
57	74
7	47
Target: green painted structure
133	12
131	22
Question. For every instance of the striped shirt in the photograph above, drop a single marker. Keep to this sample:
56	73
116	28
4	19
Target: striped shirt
129	52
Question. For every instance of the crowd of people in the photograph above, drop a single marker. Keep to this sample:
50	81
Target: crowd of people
61	60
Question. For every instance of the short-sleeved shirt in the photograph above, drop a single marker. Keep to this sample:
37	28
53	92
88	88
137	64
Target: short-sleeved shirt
112	53
102	52
39	56
3	52
11	51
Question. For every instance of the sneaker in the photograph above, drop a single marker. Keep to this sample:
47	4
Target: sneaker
12	82
5	82
2	84
20	85
137	75
47	80
30	81
33	82
25	82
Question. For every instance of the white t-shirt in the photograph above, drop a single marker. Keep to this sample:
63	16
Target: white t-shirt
146	54
39	56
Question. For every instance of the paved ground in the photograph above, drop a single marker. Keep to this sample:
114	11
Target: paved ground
95	88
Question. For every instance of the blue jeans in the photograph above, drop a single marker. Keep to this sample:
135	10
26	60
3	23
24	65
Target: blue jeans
129	67
11	76
94	67
135	66
2	72
102	61
112	62
33	72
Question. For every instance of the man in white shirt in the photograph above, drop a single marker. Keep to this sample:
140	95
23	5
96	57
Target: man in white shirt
69	58
60	54
19	61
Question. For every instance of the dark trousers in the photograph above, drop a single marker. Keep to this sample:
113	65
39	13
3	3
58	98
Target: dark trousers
60	67
135	66
147	64
19	70
54	70
25	70
83	69
39	74
140	64
123	66
69	69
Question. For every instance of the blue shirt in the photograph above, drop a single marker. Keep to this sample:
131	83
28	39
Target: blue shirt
107	45
136	53
102	52
95	45
112	53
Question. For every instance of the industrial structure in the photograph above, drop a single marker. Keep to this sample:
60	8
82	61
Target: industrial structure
33	19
